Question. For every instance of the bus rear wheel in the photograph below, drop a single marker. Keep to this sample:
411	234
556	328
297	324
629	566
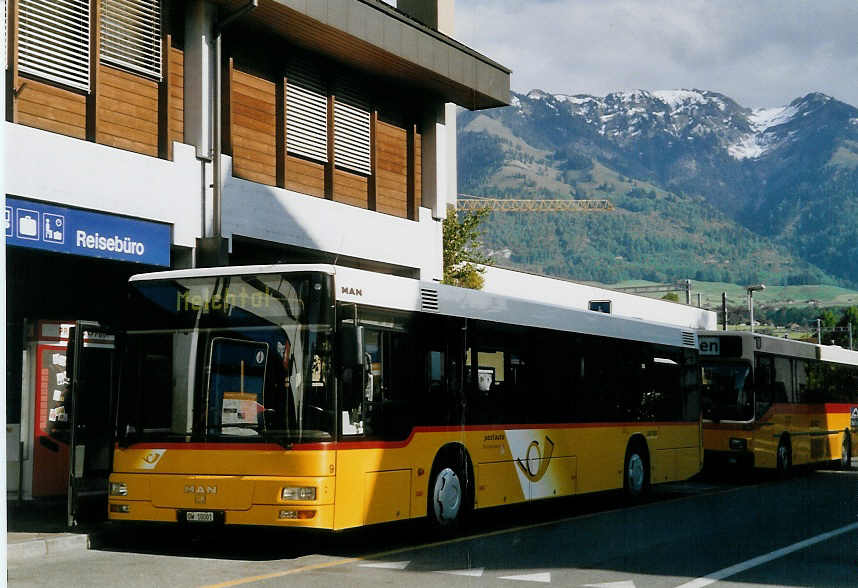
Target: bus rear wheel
636	471
784	457
846	451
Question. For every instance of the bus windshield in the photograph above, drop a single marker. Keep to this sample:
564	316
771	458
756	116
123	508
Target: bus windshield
727	393
243	357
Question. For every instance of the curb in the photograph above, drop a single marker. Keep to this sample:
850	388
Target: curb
47	546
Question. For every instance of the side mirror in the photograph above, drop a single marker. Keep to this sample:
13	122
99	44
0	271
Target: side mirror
350	360
349	351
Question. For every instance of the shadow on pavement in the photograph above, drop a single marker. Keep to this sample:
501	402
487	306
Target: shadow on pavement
263	544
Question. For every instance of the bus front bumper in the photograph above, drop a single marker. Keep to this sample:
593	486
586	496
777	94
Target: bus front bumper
213	500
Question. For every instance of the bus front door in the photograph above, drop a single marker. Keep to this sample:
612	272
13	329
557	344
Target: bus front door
92	358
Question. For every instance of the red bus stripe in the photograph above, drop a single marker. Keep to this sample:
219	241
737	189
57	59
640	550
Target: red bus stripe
370	444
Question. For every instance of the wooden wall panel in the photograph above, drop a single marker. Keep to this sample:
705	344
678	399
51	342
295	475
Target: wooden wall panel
127	111
391	160
253	120
418	172
351	188
176	116
50	108
306	177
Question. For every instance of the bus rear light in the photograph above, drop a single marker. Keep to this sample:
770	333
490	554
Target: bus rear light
120	508
296	514
298	493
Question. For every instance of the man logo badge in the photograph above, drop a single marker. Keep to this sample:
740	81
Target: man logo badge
200	492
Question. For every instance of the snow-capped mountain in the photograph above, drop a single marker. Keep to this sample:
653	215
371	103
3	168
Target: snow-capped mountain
788	173
683	115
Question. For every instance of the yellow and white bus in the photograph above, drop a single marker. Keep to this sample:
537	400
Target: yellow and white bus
331	397
774	403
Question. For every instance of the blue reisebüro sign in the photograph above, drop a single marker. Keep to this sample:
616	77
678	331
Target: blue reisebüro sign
81	232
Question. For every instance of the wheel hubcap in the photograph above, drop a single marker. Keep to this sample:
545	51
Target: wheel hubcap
783	458
447	496
635	473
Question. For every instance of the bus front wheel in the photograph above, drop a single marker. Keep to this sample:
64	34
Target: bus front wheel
784	457
636	470
846	451
450	491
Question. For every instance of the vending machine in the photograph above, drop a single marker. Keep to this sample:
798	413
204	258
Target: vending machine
50	449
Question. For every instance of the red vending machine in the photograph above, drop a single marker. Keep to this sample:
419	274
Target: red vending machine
51	419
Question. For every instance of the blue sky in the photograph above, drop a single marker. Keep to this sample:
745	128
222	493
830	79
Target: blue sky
762	53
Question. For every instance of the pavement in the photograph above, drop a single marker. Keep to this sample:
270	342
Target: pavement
38	528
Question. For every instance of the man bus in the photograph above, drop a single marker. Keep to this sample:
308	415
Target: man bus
330	397
774	403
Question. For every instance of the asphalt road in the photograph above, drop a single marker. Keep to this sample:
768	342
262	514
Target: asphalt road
734	532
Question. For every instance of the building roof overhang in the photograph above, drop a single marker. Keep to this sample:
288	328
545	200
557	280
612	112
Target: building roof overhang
374	37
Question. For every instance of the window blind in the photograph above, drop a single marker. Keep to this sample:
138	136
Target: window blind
306	114
131	35
352	131
53	41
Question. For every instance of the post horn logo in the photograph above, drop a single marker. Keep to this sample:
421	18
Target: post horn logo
150	459
536	459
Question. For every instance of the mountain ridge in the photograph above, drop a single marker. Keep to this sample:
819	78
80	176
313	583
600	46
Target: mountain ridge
779	180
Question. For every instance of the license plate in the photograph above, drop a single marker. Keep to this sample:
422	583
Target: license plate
199	517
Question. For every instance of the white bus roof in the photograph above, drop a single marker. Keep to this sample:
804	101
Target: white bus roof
789	347
407	294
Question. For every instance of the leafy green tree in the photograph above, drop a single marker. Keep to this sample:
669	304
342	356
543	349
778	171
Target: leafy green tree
463	248
850	317
828	318
672	296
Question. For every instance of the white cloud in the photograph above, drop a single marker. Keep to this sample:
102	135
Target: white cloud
761	53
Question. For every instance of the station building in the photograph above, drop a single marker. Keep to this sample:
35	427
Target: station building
156	134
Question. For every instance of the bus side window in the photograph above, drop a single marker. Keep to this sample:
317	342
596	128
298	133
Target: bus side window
785	389
435	373
763	385
389	366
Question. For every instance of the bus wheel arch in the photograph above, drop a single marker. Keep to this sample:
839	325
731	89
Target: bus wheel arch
783	458
846	450
450	496
636	468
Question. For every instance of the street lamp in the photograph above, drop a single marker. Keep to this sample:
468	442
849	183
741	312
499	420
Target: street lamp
751	290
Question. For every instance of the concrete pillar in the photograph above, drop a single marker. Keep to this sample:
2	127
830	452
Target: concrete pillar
439	138
437	14
452	192
435	161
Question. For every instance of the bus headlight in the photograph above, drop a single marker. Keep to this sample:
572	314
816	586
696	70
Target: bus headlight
118	489
298	493
737	444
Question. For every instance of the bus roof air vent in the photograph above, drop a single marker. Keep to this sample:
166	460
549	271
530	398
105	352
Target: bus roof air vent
688	339
429	299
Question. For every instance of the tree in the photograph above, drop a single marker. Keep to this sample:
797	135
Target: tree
463	248
836	331
850	317
672	296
